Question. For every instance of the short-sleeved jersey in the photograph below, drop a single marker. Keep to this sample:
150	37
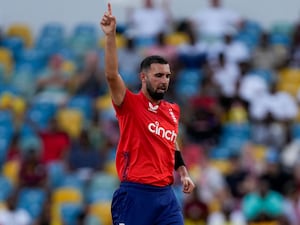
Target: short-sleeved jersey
148	132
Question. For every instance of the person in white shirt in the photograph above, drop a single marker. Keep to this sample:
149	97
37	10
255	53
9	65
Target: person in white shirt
215	20
11	215
148	21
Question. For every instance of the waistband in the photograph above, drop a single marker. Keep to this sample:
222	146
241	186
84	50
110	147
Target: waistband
146	187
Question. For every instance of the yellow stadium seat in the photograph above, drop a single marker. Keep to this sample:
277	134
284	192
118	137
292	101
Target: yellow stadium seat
6	59
60	196
176	38
23	31
222	165
71	121
10	170
289	87
289	75
110	168
67	195
104	102
102	211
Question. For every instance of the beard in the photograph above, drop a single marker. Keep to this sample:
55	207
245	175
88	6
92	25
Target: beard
154	94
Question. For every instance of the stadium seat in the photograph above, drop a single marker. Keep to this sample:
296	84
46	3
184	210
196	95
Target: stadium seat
71	121
10	170
33	59
187	83
67	195
15	45
56	173
101	187
53	29
23	31
101	210
41	113
61	196
32	200
83	104
6	59
69	213
176	38
6	188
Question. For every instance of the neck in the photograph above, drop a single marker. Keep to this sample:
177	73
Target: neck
145	92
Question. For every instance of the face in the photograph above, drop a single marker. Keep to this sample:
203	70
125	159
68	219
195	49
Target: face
156	80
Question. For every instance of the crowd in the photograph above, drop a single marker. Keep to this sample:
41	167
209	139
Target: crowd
238	86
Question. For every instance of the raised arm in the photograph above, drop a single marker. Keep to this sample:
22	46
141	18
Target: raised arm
115	82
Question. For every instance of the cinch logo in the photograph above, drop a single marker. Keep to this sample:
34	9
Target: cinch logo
155	128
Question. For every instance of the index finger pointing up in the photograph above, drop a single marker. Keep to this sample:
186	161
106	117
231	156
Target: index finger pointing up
109	9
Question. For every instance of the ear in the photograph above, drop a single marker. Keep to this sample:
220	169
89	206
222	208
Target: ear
142	76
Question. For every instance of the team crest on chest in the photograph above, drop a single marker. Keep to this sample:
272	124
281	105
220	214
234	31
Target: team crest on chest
152	108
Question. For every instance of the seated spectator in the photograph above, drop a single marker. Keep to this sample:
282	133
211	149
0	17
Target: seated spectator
12	215
228	213
192	55
129	63
55	142
162	48
266	56
262	204
149	20
33	172
213	21
195	211
82	155
53	85
89	81
14	152
236	177
204	115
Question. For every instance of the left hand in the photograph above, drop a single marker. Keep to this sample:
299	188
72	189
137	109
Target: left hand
188	184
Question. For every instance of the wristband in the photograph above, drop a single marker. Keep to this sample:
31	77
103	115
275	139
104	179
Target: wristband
178	160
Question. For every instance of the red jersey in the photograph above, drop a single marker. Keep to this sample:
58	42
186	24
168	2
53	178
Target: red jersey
148	133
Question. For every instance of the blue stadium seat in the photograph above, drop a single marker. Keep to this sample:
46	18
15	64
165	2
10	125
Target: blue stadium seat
53	29
6	188
188	82
41	113
56	174
35	59
83	104
101	188
15	45
69	213
32	200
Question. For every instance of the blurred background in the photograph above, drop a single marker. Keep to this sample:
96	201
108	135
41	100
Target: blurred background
236	77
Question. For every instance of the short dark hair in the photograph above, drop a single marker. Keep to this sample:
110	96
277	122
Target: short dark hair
146	63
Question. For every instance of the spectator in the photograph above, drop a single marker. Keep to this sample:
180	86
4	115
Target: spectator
192	54
149	20
169	52
89	81
236	177
129	61
195	211
213	21
262	204
266	56
53	85
55	142
11	215
33	172
82	157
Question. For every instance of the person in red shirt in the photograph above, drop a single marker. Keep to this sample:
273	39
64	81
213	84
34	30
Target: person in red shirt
147	152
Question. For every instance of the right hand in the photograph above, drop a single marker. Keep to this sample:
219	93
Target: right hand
108	21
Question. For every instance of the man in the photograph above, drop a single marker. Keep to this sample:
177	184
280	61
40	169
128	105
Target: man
146	153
